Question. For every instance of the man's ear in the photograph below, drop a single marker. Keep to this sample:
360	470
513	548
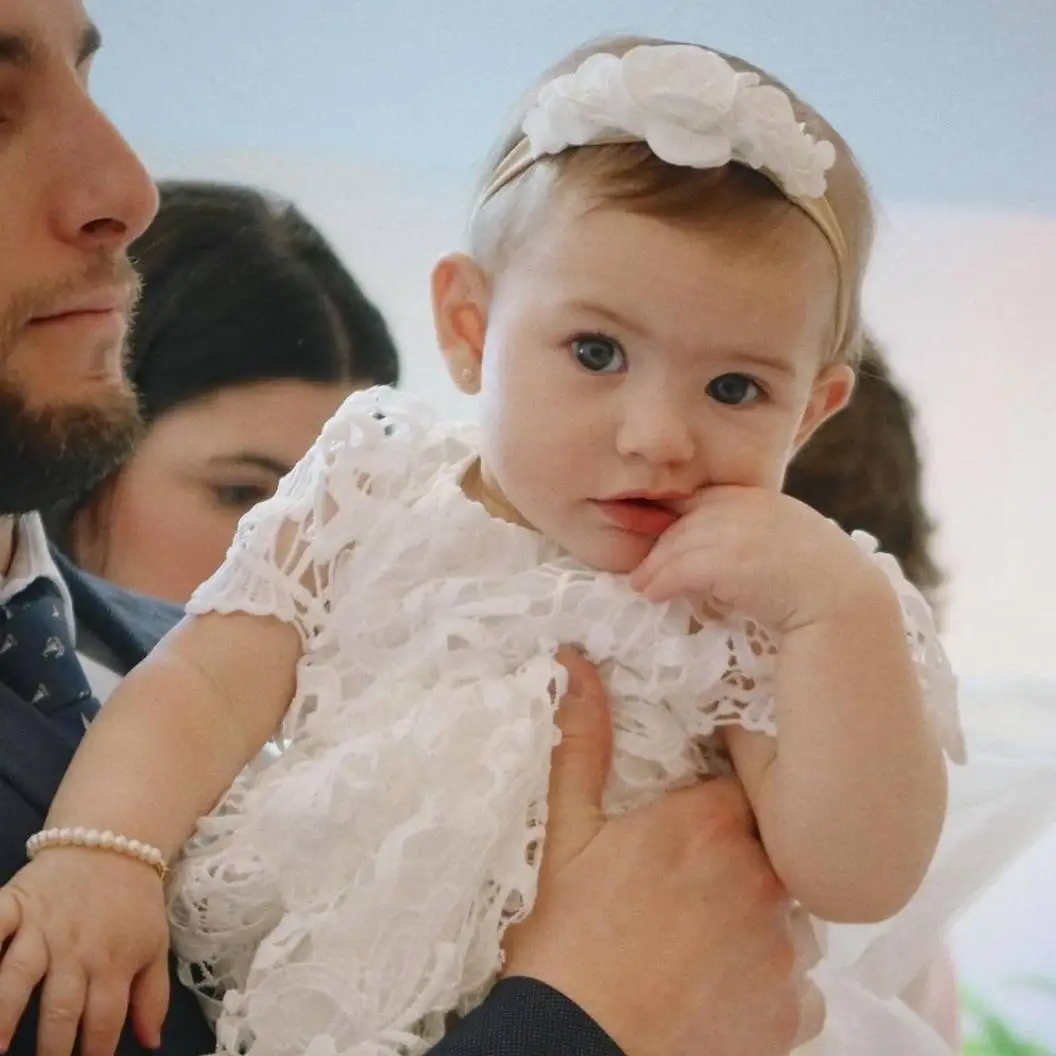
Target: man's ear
461	292
831	393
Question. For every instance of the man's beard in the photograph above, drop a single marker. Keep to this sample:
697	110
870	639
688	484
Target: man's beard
51	457
51	454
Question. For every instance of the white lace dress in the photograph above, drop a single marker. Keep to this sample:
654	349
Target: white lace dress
353	888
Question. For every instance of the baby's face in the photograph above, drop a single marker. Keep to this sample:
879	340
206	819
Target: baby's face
629	360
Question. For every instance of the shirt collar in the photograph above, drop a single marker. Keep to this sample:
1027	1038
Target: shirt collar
32	560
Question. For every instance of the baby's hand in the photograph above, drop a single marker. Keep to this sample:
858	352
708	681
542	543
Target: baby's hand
763	554
92	925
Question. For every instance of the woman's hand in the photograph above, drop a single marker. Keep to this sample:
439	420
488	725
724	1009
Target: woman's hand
92	926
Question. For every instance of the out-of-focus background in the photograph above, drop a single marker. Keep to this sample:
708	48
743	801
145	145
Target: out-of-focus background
374	117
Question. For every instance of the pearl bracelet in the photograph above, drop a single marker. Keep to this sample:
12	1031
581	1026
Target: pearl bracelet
96	840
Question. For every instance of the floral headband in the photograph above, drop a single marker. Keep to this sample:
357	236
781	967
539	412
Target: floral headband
691	108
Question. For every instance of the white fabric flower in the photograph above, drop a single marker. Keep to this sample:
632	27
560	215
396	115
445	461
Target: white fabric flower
575	108
683	97
770	137
690	106
764	119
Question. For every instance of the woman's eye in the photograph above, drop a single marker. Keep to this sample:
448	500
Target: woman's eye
240	496
734	389
599	355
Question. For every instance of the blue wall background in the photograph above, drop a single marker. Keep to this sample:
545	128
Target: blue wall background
944	101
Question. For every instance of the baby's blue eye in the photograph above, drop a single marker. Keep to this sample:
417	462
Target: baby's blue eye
599	355
734	389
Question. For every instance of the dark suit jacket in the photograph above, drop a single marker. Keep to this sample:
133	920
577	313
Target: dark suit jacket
521	1017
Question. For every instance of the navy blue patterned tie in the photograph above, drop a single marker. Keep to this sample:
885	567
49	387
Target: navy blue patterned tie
38	661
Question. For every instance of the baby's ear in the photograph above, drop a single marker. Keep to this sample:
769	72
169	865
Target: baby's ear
831	393
461	293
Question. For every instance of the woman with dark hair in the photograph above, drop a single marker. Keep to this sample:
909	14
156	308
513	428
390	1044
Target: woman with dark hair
249	334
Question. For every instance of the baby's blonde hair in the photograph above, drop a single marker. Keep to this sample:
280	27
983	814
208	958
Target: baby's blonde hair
631	176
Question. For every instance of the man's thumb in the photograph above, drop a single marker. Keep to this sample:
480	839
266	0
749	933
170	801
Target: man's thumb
580	764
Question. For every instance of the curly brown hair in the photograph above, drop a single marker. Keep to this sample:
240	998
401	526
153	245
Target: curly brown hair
863	469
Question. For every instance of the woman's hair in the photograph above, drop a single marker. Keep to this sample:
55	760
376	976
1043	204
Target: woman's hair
863	469
631	176
239	287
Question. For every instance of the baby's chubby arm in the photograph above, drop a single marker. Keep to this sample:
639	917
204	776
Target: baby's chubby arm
181	726
168	743
851	798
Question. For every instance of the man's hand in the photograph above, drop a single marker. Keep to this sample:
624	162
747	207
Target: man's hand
666	925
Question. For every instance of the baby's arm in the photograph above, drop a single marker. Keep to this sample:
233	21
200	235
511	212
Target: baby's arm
850	798
90	923
178	730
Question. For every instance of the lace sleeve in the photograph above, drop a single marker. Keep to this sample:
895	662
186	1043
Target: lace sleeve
285	556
